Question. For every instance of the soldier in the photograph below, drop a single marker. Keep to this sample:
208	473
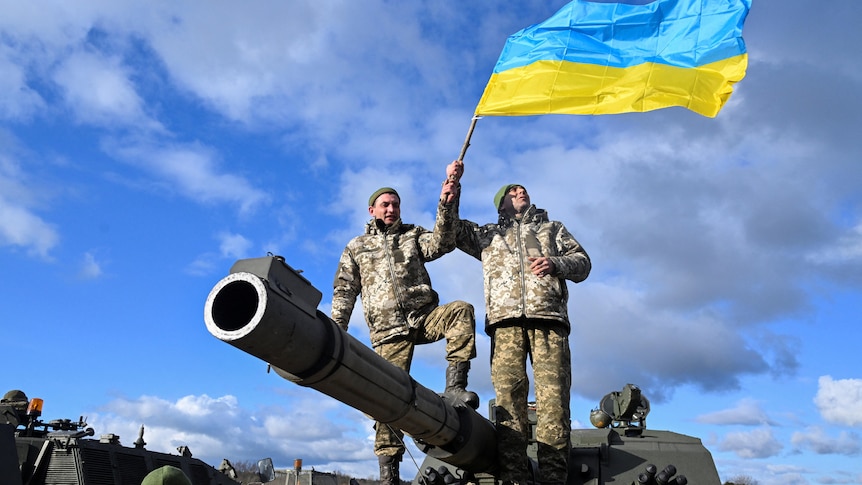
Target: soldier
13	408
526	260
386	266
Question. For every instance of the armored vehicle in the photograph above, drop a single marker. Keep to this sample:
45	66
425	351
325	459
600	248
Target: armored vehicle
267	309
62	452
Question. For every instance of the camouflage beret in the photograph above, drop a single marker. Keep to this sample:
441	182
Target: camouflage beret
166	475
383	190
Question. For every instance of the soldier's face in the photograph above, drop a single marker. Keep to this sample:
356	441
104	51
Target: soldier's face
387	208
516	201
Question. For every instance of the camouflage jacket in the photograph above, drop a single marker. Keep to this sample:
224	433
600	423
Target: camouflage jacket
386	265
511	289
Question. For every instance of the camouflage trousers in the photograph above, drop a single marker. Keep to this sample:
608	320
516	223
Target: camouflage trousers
456	322
550	356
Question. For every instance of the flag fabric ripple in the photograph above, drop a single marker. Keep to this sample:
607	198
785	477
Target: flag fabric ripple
604	58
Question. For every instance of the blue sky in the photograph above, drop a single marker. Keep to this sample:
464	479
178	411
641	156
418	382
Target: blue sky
146	146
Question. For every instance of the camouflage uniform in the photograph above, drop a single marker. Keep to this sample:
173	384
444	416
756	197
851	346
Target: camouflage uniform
386	266
528	316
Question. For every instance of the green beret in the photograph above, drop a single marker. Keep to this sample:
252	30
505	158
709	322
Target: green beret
383	190
498	198
166	475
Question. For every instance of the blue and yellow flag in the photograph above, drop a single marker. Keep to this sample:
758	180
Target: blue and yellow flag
603	58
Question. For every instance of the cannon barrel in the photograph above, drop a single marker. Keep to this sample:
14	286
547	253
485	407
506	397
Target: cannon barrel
267	309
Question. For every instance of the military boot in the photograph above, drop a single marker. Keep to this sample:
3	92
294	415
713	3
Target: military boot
456	383
389	473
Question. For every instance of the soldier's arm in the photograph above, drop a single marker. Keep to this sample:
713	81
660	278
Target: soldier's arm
441	240
572	261
345	289
468	237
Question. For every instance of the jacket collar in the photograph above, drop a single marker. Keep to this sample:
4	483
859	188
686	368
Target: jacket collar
532	214
376	226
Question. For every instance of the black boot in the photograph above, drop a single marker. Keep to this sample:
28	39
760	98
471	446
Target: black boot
389	473
456	383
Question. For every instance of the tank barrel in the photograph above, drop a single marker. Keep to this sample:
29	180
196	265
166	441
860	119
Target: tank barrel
267	309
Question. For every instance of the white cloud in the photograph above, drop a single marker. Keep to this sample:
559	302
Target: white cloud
17	100
816	440
98	90
840	401
21	227
747	412
217	428
846	249
192	171
267	51
204	265
233	246
203	406
758	443
90	267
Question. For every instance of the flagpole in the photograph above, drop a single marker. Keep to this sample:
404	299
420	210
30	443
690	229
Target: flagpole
467	140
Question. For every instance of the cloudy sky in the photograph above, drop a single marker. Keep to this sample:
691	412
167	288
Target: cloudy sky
147	145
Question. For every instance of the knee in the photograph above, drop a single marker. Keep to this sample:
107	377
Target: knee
464	310
462	306
509	383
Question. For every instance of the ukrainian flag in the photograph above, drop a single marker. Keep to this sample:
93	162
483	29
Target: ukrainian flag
604	58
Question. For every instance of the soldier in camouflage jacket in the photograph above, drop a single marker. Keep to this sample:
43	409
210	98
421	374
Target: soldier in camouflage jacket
386	266
526	260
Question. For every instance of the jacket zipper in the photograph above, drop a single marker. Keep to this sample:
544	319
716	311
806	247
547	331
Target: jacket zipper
393	276
523	269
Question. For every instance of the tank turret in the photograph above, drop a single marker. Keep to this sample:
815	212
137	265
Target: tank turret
267	309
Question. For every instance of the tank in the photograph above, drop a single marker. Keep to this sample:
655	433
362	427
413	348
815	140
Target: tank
267	309
63	452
